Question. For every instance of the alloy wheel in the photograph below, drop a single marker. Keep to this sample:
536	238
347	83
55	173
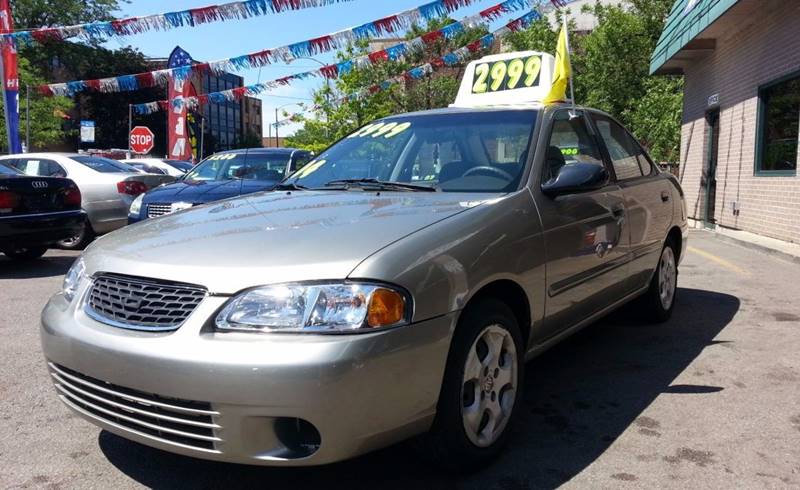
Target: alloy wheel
489	385
667	278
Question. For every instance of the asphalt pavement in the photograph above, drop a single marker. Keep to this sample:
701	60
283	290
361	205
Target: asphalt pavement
710	399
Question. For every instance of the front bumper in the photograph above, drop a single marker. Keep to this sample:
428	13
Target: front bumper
360	392
34	230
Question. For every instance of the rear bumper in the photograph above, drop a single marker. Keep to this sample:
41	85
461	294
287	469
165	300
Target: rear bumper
36	230
360	392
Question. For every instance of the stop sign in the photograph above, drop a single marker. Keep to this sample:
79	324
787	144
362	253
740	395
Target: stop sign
142	140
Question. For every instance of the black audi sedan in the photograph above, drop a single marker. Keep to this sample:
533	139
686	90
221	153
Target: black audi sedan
220	176
36	212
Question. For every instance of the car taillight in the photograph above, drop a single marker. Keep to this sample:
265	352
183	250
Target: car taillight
72	197
8	201
131	187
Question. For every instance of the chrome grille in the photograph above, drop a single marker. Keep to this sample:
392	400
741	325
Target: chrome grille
158	209
186	423
141	304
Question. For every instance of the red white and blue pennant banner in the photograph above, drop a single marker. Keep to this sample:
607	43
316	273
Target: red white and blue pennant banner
453	58
391	24
99	31
335	71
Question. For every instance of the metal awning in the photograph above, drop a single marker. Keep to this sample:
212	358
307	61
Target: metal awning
686	21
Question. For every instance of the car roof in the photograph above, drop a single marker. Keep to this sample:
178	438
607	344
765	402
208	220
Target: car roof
497	108
275	151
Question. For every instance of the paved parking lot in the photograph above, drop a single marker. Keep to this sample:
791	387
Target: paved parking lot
709	400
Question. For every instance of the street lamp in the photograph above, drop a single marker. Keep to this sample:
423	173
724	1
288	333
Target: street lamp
327	92
277	109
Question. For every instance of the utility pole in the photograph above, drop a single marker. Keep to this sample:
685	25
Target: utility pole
202	137
277	141
130	127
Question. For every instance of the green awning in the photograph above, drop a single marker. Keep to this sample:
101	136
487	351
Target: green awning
687	19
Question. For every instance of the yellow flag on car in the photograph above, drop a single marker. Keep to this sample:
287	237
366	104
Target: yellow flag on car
562	71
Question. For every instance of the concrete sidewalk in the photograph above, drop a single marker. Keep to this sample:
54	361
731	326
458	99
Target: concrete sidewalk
771	246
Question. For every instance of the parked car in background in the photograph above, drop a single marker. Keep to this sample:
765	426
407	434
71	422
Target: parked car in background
36	212
145	169
222	175
175	168
108	188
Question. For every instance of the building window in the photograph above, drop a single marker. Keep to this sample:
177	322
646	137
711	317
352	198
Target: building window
779	128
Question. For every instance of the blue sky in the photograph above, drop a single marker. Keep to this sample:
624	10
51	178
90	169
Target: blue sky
227	39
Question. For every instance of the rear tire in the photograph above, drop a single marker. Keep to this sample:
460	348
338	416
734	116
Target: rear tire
79	241
659	300
25	253
481	389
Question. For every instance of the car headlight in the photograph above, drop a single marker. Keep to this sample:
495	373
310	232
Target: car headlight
343	307
73	279
136	205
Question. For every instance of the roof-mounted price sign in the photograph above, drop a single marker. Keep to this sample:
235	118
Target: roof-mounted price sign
506	79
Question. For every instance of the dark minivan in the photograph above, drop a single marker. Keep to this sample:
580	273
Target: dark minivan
220	176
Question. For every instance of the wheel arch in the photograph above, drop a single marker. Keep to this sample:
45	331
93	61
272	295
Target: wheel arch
512	294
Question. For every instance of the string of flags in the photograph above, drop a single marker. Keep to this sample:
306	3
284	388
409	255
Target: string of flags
288	53
99	31
393	53
334	71
450	59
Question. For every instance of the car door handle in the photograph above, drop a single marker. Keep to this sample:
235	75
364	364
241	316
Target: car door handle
665	196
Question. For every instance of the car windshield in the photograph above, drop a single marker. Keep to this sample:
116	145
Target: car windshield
4	170
253	166
103	165
470	151
180	165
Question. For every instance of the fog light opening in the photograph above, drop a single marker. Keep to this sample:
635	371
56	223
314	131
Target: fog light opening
299	436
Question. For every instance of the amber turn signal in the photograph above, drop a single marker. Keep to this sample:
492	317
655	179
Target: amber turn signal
386	307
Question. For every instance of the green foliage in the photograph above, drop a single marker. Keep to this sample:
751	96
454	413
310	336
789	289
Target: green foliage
611	64
336	119
656	117
30	14
45	113
610	73
58	61
539	36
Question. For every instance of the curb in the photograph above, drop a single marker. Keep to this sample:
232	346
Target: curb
749	245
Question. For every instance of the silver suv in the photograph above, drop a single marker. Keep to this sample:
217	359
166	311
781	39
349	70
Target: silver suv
391	288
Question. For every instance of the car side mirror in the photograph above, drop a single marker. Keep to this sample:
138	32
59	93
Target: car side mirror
576	177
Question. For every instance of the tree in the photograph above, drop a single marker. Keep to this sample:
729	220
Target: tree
336	119
611	70
59	61
30	14
46	114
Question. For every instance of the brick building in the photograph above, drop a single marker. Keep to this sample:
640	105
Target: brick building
741	112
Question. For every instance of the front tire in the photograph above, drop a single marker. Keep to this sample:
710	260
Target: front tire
481	389
25	253
659	301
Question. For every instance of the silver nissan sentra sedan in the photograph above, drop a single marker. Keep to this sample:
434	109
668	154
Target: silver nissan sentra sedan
391	288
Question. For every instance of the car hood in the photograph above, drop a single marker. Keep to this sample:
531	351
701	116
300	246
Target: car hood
200	192
271	237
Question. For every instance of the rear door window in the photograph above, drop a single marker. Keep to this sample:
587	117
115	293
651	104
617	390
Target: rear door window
40	167
103	165
627	156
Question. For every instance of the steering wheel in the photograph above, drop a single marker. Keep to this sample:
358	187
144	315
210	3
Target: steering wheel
487	168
